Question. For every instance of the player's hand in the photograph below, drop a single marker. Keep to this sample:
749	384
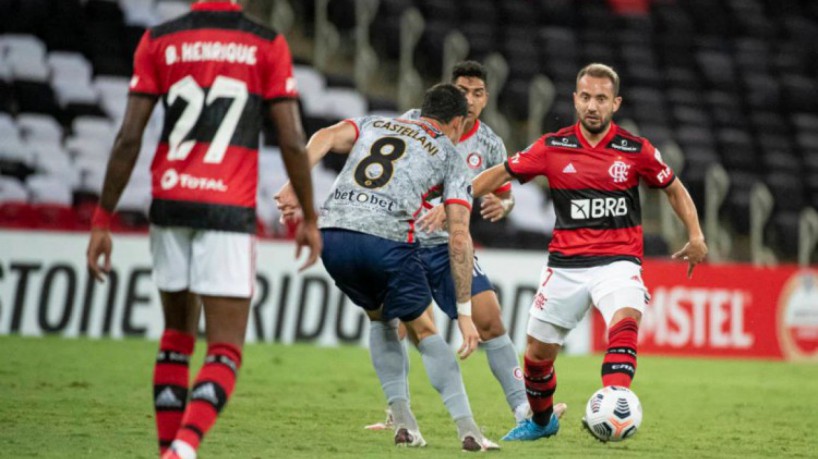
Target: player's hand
99	245
307	235
434	219
492	208
287	203
470	336
693	253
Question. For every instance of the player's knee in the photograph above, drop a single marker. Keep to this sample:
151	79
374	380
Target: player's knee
491	328
625	313
537	350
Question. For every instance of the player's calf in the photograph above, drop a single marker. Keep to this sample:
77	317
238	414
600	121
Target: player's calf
170	384
619	364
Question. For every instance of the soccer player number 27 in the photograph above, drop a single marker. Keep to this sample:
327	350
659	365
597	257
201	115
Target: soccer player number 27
194	95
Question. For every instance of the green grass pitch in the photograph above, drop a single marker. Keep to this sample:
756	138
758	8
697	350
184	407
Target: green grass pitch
88	399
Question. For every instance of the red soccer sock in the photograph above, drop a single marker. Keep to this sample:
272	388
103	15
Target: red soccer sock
212	389
619	365
540	385
170	384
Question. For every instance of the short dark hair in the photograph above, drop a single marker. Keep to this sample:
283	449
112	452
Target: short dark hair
469	69
598	70
443	102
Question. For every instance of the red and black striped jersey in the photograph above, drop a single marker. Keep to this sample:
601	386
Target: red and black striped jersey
595	192
214	70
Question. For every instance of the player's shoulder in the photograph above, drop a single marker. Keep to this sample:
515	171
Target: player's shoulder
213	20
563	138
487	134
623	141
411	114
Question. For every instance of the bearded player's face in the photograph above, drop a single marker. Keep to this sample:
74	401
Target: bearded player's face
595	103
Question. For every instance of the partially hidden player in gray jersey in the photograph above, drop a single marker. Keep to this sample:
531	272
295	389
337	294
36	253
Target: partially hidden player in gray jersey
368	225
479	148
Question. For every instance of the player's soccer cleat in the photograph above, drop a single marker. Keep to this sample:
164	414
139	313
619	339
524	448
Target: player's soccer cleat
179	450
409	438
470	444
388	424
529	430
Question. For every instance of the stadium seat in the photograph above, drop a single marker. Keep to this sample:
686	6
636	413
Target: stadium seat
12	190
167	10
344	103
40	127
49	189
139	12
311	86
69	66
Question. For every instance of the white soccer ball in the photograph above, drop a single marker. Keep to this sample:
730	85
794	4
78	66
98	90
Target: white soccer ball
613	413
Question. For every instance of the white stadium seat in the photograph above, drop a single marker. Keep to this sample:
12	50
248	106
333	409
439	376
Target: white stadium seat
344	103
88	148
69	66
28	67
34	126
12	190
167	10
94	127
139	12
15	45
49	189
13	149
311	86
76	92
7	126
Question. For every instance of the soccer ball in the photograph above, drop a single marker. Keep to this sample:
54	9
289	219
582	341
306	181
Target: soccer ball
613	413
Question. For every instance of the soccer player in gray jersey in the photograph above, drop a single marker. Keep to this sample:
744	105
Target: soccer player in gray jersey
372	253
479	148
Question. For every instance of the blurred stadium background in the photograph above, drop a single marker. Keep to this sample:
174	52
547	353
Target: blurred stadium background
726	89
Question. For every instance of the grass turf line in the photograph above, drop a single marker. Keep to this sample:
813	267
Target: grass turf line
82	398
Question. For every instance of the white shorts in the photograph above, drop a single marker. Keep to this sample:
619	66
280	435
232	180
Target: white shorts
216	263
565	294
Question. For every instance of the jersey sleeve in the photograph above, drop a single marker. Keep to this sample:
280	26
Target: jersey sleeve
653	170
457	183
358	124
528	163
279	82
145	78
498	156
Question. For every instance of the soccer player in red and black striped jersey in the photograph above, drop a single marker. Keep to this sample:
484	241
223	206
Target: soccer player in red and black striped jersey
217	74
593	169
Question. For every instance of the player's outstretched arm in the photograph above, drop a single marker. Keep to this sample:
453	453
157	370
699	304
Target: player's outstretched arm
120	166
338	138
461	259
695	250
287	120
490	180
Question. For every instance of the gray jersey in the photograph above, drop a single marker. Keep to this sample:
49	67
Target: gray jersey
479	149
391	168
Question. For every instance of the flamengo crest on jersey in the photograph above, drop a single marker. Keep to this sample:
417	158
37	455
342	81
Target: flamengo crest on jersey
595	192
480	150
391	167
